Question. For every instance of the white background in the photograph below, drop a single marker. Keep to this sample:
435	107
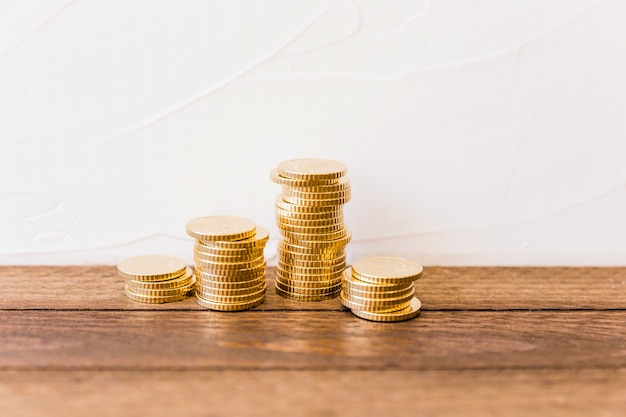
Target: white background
475	132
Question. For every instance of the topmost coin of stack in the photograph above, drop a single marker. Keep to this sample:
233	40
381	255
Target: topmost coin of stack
309	215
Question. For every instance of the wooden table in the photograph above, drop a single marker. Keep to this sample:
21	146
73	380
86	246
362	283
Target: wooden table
489	341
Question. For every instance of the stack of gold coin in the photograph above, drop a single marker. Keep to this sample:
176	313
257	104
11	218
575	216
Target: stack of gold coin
381	289
309	215
156	278
230	265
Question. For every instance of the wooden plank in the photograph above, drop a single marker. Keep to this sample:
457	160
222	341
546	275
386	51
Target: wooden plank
310	340
99	288
594	392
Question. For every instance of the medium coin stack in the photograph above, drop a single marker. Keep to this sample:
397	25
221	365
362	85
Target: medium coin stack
230	265
156	278
381	289
309	215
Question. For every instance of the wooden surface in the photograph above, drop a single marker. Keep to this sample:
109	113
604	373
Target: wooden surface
490	341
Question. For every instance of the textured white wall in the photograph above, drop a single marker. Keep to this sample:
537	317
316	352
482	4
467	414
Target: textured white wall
475	132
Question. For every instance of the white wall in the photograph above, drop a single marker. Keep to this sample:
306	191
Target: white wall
475	132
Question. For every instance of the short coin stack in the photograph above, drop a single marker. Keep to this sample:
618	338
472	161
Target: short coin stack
156	278
230	265
309	215
381	289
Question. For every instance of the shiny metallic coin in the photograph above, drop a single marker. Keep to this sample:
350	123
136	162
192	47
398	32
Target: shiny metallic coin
307	195
210	228
322	245
308	237
229	306
341	184
253	252
166	292
231	285
308	283
374	309
319	291
288	275
406	314
137	286
299	297
226	259
315	203
367	302
319	230
231	292
324	222
151	268
154	300
208	266
386	270
331	269
257	241
226	275
352	283
299	216
305	263
312	169
291	182
308	255
230	299
285	208
387	295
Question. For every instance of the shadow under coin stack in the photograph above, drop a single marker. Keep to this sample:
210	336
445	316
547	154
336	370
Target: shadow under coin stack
309	215
156	278
381	289
230	265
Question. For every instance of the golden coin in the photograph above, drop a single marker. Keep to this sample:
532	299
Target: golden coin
230	299
151	268
234	275
286	207
303	202
408	313
211	228
226	292
307	195
257	241
331	269
154	300
208	265
322	237
294	221
352	283
298	297
167	292
374	309
306	263
318	244
291	182
229	306
231	285
341	184
217	269
386	270
308	255
331	216
226	259
309	277
308	283
306	290
312	230
378	295
181	281
311	169
253	252
366	303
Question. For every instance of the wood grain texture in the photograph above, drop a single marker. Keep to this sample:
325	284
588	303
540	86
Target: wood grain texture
596	392
310	340
99	288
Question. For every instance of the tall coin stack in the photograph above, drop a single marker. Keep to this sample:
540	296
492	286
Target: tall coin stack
156	278
309	215
381	289
229	260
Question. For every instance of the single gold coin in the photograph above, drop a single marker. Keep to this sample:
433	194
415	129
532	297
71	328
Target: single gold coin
307	255
332	269
324	222
374	309
231	275
229	306
167	292
291	182
321	237
154	300
306	263
406	314
211	228
253	252
181	281
223	292
295	217
219	259
151	268
258	240
312	169
299	297
309	277
317	230
386	270
307	195
315	203
308	283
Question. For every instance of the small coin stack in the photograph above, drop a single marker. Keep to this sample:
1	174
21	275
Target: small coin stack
381	289
230	265
156	278
309	215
